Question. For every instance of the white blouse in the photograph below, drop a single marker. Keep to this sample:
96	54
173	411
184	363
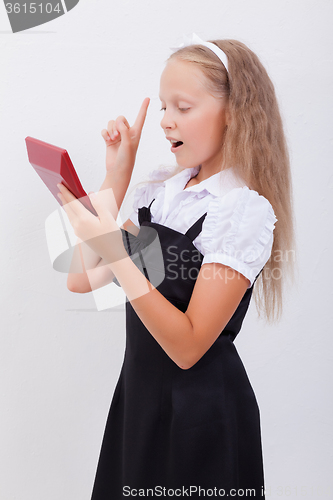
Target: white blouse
238	228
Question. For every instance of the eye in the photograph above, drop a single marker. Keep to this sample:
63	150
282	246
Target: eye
182	110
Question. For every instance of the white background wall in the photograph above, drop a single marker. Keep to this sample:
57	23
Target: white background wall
60	357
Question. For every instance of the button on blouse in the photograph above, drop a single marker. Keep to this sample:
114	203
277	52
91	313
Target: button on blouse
238	228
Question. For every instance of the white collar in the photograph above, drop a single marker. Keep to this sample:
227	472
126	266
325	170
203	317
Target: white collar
217	184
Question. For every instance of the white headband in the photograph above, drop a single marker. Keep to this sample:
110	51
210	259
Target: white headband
195	40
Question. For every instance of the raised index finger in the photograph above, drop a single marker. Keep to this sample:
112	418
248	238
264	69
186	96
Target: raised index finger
140	119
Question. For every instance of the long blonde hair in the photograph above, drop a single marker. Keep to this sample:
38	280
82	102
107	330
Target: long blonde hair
254	145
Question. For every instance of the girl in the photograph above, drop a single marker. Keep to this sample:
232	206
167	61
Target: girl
184	420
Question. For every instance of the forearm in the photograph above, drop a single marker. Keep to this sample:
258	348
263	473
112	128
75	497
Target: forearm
88	280
84	258
170	327
118	181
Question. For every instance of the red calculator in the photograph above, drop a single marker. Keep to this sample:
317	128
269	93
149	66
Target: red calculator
54	166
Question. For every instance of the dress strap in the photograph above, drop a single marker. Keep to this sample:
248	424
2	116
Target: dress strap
144	213
257	276
195	229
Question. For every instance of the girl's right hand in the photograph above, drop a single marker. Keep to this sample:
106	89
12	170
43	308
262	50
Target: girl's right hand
122	141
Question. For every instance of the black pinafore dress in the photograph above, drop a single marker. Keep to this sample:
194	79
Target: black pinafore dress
173	432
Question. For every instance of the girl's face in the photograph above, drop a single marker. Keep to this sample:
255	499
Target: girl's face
192	116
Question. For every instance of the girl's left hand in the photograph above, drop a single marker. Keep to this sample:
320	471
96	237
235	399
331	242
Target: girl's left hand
102	234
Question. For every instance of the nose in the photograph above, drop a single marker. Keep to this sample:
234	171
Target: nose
167	122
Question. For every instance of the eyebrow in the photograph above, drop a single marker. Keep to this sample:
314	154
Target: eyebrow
180	97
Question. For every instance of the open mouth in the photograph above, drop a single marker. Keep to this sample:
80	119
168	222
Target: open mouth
176	144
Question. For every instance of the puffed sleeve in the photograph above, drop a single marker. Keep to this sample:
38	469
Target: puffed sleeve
143	195
238	231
